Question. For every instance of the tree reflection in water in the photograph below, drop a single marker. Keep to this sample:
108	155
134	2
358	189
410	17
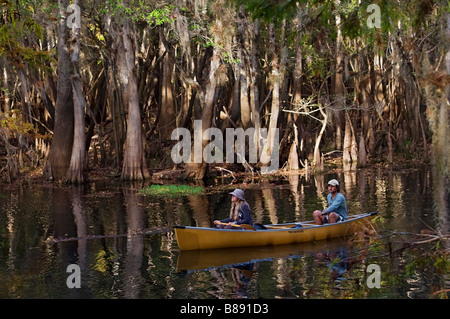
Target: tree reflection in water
146	266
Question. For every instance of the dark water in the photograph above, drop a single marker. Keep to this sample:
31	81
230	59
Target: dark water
151	266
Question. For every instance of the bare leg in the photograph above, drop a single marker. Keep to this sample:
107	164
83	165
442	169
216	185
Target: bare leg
318	218
333	217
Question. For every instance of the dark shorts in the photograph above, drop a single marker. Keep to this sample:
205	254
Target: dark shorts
340	219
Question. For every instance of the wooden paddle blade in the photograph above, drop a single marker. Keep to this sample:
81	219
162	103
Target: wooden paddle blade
245	226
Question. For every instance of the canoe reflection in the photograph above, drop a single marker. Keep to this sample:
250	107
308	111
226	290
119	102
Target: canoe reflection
242	275
200	260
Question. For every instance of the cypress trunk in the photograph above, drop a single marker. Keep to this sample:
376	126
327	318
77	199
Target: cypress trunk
134	165
61	148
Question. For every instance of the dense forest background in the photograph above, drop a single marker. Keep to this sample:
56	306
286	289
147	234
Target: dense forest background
88	84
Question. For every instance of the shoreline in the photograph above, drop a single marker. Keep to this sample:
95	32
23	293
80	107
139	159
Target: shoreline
225	171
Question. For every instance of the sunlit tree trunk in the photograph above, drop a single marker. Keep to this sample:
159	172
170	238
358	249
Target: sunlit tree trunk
293	159
242	70
208	109
26	105
293	155
276	77
339	89
134	164
197	170
75	174
254	89
346	157
167	119
207	113
318	158
6	85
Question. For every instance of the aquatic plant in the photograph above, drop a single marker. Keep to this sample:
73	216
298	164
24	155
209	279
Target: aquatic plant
171	190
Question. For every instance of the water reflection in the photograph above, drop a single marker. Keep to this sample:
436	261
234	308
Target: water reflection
288	261
242	275
199	260
132	276
338	262
123	263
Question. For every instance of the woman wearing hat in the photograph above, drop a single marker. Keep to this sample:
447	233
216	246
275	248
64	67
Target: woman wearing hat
239	212
337	208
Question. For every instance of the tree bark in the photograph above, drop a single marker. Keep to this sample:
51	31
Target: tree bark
198	170
242	74
437	96
297	91
167	118
61	148
26	105
318	158
276	77
75	173
339	88
293	155
254	89
134	164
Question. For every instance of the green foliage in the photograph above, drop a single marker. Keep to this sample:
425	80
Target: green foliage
141	10
270	10
435	260
19	26
160	16
104	260
227	56
15	124
171	190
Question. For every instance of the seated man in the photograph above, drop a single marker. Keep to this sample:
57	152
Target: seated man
337	208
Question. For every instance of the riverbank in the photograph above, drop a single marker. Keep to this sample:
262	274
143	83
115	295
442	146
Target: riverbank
231	173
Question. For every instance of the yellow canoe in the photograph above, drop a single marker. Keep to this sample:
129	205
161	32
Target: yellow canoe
193	238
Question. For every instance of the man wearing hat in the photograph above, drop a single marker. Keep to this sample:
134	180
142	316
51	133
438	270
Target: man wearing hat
239	212
337	208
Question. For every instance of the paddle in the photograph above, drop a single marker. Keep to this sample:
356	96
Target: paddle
245	226
284	227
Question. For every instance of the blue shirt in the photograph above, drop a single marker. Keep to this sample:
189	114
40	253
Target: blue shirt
337	205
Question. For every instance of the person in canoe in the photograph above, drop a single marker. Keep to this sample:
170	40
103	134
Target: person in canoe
337	208
239	212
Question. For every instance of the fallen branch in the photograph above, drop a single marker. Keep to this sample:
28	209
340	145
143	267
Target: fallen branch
52	240
224	169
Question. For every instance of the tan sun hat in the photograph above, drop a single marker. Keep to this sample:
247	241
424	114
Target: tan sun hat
333	182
